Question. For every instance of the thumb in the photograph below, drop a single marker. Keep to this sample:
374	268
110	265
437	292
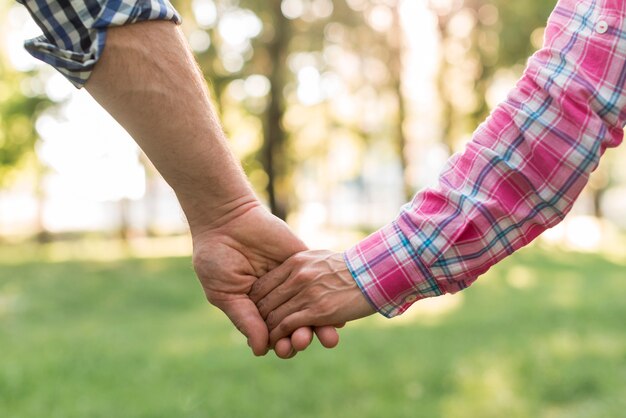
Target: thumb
244	314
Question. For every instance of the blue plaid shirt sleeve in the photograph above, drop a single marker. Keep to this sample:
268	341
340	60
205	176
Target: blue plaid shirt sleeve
74	31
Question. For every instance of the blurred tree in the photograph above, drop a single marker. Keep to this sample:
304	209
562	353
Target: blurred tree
273	152
18	114
244	44
396	44
479	38
151	197
236	41
259	57
21	101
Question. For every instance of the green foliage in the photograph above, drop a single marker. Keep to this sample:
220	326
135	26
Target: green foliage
277	53
541	335
502	37
18	114
518	19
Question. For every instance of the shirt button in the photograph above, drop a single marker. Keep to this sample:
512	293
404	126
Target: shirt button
410	299
602	27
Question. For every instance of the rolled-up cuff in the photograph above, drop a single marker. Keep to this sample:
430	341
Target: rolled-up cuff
74	31
389	272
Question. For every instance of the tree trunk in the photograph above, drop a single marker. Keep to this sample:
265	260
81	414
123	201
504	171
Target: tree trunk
124	225
598	194
446	107
395	70
273	155
43	235
151	197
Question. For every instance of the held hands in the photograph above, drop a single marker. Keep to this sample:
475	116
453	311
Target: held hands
312	288
169	114
228	257
240	261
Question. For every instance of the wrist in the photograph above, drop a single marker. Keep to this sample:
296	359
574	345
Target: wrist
209	214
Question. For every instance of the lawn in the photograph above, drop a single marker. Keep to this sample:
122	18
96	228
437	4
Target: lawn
541	335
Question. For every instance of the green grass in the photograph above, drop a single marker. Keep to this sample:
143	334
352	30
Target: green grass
541	335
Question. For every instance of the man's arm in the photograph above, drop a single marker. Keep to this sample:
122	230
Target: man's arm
148	80
520	175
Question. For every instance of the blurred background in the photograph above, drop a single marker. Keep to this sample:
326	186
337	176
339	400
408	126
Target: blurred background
339	111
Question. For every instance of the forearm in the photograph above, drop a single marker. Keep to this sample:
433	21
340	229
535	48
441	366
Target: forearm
147	79
520	175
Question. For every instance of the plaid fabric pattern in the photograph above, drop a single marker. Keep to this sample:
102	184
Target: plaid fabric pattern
520	174
74	31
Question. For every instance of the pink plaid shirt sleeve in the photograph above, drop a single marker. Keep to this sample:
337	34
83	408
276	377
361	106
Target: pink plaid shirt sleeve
520	174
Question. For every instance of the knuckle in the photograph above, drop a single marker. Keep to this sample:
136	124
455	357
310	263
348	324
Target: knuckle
256	288
314	291
283	328
308	294
271	319
262	307
305	275
308	273
299	278
298	258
